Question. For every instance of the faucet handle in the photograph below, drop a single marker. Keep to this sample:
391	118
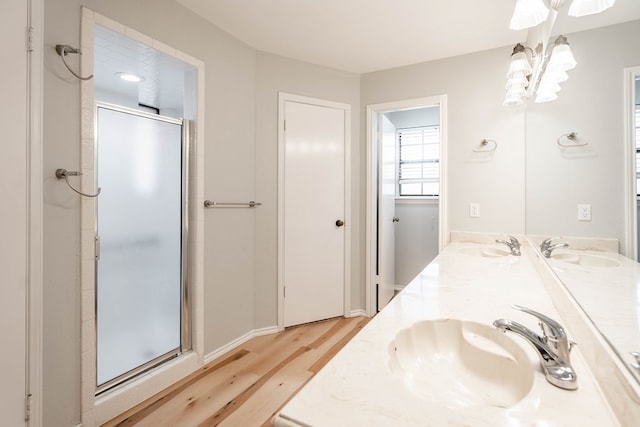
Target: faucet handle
547	242
636	363
551	328
514	241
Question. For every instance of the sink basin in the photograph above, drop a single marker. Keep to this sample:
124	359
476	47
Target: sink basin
460	364
485	251
587	260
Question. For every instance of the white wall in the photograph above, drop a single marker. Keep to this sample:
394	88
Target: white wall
591	104
416	237
474	85
429	116
277	74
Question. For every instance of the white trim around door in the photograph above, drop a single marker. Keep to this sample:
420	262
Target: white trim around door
631	200
372	205
35	224
282	99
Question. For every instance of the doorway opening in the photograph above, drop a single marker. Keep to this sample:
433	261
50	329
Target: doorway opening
406	189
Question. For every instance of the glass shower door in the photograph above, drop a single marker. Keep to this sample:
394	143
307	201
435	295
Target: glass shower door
139	271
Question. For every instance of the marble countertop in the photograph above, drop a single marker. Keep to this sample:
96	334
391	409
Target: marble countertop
610	295
357	387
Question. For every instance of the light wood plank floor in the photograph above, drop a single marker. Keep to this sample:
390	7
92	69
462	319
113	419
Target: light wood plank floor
247	386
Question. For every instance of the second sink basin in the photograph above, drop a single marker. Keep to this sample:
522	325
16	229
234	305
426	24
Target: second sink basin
485	251
584	259
459	364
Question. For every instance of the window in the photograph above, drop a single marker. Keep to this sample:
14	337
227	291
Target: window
418	162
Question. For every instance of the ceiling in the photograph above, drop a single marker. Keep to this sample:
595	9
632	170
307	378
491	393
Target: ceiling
359	36
362	36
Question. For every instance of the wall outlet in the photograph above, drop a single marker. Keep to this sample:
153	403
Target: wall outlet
474	210
584	212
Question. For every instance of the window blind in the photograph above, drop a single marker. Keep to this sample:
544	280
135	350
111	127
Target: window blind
419	161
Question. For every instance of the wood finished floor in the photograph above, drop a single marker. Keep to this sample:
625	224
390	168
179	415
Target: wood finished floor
248	385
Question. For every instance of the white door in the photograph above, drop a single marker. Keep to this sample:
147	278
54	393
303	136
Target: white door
13	212
314	212
386	210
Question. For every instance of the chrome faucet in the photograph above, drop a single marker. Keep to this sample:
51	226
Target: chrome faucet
513	243
552	347
546	247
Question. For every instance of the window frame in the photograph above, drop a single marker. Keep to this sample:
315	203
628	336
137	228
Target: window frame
399	195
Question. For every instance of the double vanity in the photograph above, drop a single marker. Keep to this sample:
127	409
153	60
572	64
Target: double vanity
481	337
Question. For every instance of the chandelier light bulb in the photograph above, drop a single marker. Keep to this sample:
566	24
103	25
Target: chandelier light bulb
561	56
519	62
589	7
518	79
556	75
528	13
517	91
512	101
548	85
546	97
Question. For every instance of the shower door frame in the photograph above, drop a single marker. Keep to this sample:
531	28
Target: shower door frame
185	336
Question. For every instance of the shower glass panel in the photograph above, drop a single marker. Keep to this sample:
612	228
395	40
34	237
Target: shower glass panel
140	227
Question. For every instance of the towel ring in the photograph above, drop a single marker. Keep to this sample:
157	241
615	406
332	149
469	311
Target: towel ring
570	136
65	174
485	143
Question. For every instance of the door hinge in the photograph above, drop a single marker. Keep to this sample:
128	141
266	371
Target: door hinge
284	292
97	248
27	407
30	32
285	125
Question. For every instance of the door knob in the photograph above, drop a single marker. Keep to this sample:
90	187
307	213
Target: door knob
395	219
339	223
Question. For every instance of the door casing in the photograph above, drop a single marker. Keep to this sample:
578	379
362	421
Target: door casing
631	200
22	240
282	99
372	184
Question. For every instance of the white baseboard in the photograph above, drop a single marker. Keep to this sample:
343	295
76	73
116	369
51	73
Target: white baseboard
356	313
398	287
238	342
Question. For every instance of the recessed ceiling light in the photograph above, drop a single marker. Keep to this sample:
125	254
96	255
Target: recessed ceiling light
130	77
